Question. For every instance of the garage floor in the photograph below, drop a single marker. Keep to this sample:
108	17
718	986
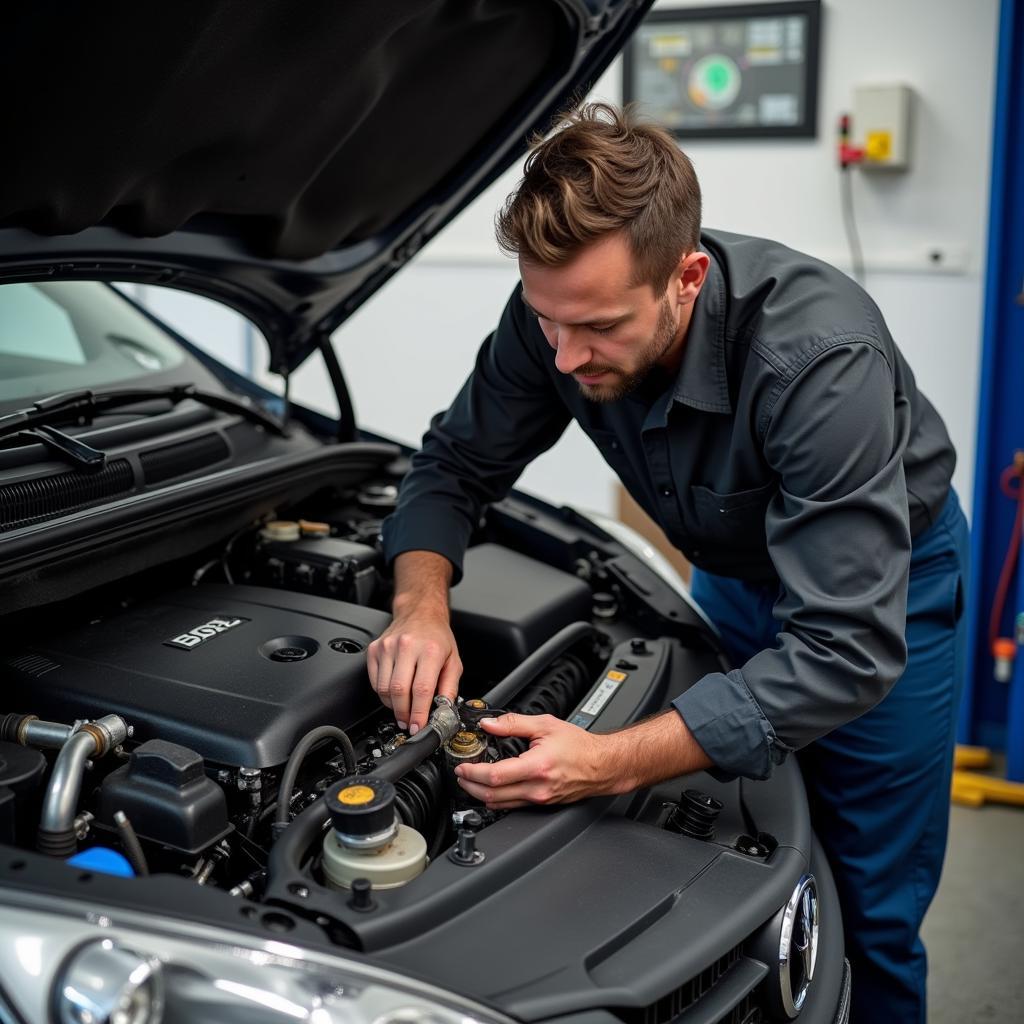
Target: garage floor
974	930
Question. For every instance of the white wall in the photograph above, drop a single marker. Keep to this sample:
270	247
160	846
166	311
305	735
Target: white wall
408	350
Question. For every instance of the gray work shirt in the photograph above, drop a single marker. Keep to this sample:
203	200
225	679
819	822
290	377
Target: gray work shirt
792	449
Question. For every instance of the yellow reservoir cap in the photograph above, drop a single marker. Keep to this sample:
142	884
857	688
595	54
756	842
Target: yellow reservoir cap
355	795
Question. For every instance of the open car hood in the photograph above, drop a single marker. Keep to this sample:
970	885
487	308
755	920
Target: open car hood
283	158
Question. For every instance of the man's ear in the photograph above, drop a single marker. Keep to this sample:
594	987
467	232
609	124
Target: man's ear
690	275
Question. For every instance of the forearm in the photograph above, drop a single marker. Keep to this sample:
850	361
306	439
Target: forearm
422	579
651	751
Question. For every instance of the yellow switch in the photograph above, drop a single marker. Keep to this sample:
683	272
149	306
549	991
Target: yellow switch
878	146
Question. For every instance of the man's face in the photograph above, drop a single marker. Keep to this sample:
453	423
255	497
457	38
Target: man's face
607	331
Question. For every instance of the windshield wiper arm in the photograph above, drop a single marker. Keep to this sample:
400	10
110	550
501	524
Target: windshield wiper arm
77	452
82	406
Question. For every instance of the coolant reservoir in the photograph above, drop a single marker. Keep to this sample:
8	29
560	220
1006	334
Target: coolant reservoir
367	840
280	530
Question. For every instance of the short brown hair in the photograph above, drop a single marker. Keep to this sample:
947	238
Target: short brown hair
601	172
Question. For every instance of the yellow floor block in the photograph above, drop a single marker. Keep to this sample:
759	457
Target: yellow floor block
971	757
972	790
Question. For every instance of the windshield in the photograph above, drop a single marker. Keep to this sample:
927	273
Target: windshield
67	335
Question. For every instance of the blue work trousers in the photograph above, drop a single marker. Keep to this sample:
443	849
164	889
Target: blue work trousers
879	786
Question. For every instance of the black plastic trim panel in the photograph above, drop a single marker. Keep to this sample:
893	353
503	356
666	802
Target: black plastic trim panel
50	561
46	497
173	460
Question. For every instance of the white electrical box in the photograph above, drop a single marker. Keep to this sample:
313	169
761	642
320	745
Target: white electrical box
881	126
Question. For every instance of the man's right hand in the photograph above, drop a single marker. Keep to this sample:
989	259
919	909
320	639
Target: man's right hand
416	656
412	660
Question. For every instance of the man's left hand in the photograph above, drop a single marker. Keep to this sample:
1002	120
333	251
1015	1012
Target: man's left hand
564	763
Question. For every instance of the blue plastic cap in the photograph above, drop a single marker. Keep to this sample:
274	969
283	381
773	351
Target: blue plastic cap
103	860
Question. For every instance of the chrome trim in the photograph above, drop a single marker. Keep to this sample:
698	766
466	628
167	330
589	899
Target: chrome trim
798	935
843	1009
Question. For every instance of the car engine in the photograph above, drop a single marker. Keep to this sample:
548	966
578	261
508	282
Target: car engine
209	722
199	722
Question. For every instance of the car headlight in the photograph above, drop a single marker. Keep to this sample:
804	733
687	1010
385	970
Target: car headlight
131	968
105	982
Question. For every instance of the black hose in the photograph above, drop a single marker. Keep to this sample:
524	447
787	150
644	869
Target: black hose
289	851
130	841
503	693
295	759
406	757
418	796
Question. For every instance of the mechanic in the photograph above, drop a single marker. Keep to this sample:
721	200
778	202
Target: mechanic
752	401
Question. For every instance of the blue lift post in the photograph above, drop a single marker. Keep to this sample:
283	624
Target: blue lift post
992	713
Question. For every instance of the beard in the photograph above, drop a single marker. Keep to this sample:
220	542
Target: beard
626	380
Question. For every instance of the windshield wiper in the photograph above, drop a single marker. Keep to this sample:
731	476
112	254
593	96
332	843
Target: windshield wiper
82	406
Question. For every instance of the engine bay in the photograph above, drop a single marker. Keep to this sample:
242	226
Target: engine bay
199	739
214	720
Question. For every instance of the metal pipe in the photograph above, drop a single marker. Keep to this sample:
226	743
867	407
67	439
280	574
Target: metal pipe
65	784
46	734
207	869
57	823
29	731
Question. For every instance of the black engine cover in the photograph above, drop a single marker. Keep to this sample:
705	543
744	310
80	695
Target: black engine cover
238	673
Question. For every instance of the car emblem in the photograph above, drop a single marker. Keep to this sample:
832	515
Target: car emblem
207	631
798	945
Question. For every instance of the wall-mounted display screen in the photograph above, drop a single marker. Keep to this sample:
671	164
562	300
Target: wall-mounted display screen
744	71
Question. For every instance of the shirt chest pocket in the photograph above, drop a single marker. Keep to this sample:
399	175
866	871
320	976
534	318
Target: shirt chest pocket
736	517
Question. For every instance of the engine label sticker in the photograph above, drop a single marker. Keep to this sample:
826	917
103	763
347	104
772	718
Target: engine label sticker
207	631
602	694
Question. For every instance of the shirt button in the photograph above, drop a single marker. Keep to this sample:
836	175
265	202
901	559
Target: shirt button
696	552
667	492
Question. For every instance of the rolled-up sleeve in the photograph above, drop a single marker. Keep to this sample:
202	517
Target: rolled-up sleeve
507	413
839	538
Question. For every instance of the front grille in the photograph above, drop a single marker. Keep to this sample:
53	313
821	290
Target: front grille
30	501
159	464
750	1011
672	1006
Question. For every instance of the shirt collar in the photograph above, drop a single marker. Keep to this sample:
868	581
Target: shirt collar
702	381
